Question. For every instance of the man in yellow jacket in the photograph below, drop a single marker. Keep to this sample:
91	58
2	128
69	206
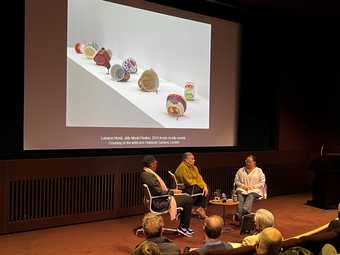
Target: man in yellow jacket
188	174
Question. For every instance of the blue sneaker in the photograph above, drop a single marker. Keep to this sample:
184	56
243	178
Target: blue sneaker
184	231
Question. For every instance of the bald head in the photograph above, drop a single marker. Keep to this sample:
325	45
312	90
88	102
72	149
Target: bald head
270	242
213	226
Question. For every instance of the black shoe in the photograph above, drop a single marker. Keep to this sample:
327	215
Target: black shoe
184	231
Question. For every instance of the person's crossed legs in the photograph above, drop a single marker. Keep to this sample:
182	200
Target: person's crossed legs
245	204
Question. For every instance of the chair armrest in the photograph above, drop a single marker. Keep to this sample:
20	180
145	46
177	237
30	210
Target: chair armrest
197	194
162	196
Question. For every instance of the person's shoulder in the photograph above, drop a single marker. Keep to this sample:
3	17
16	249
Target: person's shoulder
205	248
145	175
166	240
259	169
180	167
241	169
202	250
167	246
227	245
250	240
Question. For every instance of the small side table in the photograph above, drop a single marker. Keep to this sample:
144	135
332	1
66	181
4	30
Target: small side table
224	206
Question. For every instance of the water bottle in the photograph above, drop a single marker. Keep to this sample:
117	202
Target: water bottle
234	195
224	197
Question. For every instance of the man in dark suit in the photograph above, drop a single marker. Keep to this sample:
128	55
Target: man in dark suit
157	187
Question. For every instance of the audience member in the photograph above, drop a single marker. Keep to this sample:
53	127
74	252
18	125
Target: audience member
147	248
269	242
153	228
213	227
297	250
263	219
335	224
328	249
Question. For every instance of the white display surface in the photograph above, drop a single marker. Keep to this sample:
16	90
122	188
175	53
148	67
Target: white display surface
149	103
178	49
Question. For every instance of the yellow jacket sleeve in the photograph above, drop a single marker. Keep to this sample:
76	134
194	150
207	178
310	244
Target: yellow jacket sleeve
189	175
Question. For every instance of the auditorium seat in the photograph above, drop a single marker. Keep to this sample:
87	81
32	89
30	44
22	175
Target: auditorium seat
313	243
245	250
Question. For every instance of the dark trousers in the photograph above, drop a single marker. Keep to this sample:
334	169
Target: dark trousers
245	203
184	201
198	201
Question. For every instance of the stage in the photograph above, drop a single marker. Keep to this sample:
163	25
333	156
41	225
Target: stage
292	217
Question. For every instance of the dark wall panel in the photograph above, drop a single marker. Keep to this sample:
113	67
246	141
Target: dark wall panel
38	193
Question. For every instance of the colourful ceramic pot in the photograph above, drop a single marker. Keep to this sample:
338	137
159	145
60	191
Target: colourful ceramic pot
78	47
118	74
176	105
103	57
90	50
149	81
189	91
130	65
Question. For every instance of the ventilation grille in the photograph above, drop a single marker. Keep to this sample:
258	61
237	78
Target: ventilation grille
51	197
41	198
131	190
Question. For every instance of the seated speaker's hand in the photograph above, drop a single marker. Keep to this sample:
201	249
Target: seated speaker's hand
177	191
205	191
246	187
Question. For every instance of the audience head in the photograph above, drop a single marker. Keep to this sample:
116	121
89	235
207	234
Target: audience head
269	242
250	161
263	219
150	162
152	225
297	250
334	224
147	248
328	249
213	226
189	158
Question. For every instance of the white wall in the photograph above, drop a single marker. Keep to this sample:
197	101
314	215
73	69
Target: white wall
178	49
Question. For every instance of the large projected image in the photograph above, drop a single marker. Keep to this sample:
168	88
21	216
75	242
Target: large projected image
133	68
128	74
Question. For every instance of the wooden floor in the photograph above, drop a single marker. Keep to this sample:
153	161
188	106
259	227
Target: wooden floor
116	236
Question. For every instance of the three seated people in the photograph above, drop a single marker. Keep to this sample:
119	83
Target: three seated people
249	181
